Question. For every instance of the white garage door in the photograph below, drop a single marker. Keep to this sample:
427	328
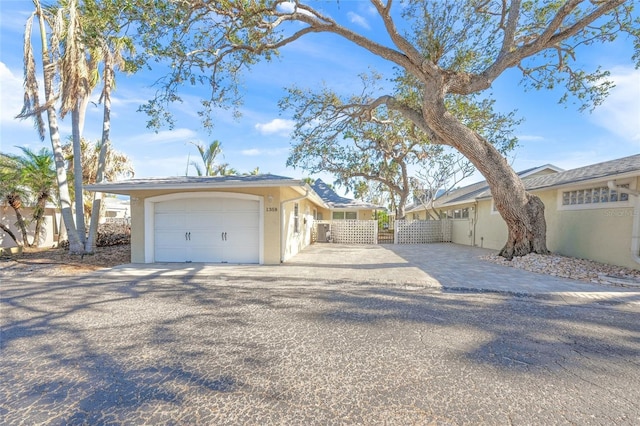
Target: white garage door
207	230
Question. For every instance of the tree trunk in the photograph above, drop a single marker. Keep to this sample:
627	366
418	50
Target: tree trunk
8	232
77	172
90	245
75	246
404	195
15	204
522	212
38	215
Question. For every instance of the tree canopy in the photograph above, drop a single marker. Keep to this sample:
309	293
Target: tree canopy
448	49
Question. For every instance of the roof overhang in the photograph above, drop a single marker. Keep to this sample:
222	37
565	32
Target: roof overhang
587	181
129	187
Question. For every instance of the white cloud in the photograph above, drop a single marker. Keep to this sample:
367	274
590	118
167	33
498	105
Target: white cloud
358	20
148	166
286	7
12	97
254	152
620	113
277	125
290	7
165	137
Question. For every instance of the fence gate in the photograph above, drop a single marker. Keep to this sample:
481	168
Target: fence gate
386	230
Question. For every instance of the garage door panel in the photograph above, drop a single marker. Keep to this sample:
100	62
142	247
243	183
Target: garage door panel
170	206
205	256
204	204
217	229
242	236
205	220
241	257
232	204
169	221
168	238
241	219
169	254
205	240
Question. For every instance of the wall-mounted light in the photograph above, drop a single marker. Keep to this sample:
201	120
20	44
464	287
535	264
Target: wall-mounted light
270	199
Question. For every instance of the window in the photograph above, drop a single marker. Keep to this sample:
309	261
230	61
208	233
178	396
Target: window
344	215
296	218
461	213
446	214
597	195
455	214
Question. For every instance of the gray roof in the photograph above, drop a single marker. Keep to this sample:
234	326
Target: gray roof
602	170
335	201
469	193
605	169
323	192
194	182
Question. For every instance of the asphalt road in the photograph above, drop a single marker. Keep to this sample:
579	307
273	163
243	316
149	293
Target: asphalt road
208	348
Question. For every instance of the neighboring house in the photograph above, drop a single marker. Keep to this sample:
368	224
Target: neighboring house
235	219
592	212
116	210
50	226
341	208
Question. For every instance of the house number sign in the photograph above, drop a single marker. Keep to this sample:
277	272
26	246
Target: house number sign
272	209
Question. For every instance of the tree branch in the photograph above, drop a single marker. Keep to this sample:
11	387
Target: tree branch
469	83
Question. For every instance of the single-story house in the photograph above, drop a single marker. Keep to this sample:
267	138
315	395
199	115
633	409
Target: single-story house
51	225
262	219
341	208
115	210
592	212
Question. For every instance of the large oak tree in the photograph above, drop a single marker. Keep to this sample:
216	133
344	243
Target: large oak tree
449	47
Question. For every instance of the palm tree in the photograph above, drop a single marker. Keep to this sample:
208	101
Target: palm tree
31	175
208	155
39	177
33	109
81	37
116	165
12	192
79	78
224	170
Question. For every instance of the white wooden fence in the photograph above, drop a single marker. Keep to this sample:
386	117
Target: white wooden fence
366	231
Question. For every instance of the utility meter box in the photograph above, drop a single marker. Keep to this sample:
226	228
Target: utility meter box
324	232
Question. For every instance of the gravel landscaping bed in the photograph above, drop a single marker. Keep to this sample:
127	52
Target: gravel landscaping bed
570	267
58	261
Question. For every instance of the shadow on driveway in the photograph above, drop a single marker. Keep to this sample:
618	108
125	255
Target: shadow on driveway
204	344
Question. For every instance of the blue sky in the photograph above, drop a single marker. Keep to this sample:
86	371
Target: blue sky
551	133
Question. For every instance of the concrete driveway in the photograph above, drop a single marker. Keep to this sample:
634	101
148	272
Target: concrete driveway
445	267
372	339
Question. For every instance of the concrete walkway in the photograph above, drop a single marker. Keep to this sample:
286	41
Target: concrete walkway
444	267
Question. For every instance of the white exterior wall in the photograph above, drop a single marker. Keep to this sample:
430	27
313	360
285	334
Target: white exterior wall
48	237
